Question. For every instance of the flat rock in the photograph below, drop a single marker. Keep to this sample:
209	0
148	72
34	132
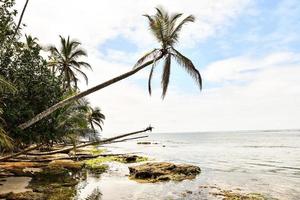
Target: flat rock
67	164
143	142
29	195
163	171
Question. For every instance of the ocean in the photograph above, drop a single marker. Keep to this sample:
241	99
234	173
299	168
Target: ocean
266	162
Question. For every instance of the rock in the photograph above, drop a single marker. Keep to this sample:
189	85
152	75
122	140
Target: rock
143	142
163	171
23	196
215	192
67	164
5	173
130	159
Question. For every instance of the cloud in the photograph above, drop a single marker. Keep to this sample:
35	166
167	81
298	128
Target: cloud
246	68
94	22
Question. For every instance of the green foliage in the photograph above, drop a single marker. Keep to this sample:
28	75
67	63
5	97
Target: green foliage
38	87
65	62
96	151
5	140
95	118
96	165
7	25
5	86
71	122
122	159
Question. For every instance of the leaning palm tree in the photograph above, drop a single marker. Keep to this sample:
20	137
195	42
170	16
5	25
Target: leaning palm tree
166	30
65	61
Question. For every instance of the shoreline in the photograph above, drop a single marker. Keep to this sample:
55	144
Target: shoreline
60	178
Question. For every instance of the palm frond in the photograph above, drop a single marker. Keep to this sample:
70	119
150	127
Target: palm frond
6	86
78	53
174	17
149	55
160	11
82	74
157	27
149	80
151	20
175	33
99	124
5	140
166	75
188	66
85	64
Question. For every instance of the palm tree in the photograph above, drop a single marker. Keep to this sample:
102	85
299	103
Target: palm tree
166	31
95	117
71	121
65	61
31	42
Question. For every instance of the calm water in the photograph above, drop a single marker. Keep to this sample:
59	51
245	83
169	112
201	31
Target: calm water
261	162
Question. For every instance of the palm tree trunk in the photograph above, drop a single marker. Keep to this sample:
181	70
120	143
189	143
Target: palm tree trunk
20	20
19	153
62	103
105	141
68	149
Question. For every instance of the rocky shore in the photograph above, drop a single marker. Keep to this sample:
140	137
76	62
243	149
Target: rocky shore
53	177
41	179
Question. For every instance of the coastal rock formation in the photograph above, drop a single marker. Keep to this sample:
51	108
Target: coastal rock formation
163	171
143	142
23	196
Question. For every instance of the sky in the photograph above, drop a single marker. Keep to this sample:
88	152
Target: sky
247	51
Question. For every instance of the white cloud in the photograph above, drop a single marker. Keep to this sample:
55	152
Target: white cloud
245	68
94	21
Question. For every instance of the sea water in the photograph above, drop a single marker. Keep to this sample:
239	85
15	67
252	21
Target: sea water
266	162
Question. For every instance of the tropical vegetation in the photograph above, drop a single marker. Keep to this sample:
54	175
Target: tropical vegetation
47	88
25	70
65	62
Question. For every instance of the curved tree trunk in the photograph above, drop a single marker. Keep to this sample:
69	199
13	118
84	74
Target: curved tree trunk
62	103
